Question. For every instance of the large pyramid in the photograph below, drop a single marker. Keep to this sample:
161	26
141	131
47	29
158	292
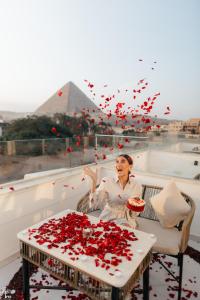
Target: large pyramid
72	100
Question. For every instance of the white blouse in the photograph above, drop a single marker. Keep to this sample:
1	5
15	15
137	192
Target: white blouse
111	198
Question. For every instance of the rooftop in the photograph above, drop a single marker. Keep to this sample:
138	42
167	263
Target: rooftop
56	190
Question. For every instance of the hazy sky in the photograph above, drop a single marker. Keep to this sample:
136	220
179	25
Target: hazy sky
46	43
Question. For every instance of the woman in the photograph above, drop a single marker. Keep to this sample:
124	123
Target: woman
112	194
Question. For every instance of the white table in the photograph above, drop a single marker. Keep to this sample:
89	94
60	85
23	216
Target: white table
79	272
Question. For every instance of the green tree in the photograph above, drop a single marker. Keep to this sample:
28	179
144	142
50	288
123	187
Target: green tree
35	127
61	125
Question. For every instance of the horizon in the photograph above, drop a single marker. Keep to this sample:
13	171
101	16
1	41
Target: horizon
38	55
168	117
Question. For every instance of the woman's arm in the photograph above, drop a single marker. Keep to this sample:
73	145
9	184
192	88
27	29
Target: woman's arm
93	176
98	196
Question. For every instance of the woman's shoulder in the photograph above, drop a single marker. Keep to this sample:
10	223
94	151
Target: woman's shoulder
134	180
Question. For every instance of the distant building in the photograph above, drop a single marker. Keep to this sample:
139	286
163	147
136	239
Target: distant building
176	126
192	126
159	128
2	126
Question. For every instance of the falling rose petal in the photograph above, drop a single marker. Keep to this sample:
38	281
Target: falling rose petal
90	85
54	130
127	140
120	112
104	156
69	149
11	188
120	146
60	93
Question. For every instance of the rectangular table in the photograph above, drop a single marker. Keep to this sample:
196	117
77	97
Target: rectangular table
82	274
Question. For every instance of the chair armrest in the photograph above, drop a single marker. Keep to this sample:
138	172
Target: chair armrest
83	204
185	230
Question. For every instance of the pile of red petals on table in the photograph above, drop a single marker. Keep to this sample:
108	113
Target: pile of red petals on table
76	235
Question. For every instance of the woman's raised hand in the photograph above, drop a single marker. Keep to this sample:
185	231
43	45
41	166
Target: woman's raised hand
88	171
92	175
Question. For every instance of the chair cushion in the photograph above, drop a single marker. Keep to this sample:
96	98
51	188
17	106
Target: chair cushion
170	206
168	240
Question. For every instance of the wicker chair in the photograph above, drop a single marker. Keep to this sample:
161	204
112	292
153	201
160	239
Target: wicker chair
170	241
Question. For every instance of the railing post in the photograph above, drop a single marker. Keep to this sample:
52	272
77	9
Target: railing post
113	142
43	146
11	148
68	156
85	142
96	144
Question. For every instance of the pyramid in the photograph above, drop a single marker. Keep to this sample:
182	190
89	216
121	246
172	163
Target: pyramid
72	100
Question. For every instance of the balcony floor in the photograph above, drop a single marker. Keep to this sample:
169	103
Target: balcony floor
162	285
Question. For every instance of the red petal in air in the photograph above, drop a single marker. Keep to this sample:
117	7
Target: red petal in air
60	93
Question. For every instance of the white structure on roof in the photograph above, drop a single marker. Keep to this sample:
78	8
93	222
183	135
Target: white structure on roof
168	163
1	126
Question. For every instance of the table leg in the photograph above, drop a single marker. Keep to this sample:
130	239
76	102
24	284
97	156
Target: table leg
146	284
115	293
25	272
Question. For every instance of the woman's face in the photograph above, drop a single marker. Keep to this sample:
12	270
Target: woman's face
122	166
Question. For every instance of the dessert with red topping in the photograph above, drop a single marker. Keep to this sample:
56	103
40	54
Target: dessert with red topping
136	204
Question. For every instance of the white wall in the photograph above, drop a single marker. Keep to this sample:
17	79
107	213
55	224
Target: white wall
167	163
35	199
188	146
181	147
32	201
141	161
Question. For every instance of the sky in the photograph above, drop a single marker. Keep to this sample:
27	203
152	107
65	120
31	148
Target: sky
46	43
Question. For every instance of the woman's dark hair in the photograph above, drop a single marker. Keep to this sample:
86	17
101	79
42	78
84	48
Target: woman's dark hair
128	158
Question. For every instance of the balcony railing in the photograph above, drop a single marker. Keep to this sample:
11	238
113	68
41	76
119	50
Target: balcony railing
19	157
